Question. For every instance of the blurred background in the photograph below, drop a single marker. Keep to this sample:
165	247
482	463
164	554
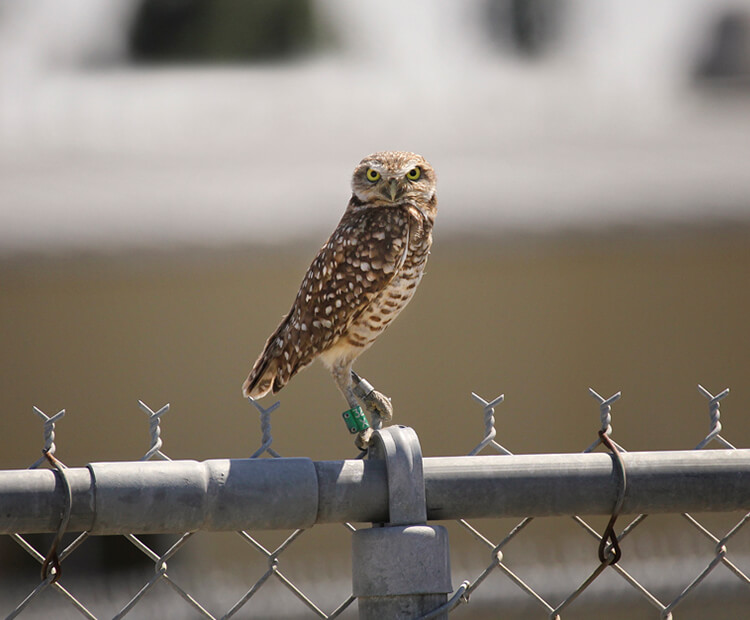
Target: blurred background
169	169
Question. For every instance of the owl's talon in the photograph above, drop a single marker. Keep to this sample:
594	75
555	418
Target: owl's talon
363	439
378	404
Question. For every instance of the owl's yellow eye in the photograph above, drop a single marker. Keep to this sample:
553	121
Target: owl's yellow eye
372	175
414	174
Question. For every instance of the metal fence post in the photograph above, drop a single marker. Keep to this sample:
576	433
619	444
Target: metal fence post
401	569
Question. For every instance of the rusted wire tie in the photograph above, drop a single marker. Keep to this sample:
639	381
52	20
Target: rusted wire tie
52	560
454	601
609	535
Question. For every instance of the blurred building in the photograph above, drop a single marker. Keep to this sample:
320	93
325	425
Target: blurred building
129	113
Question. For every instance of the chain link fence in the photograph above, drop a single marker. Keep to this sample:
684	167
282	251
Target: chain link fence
660	480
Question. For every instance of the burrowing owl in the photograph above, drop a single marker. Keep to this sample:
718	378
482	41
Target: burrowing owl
361	279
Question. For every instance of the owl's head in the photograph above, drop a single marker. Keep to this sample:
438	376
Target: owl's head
393	177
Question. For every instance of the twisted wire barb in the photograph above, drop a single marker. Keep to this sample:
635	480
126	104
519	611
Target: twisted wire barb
714	416
605	412
265	427
49	434
154	425
489	425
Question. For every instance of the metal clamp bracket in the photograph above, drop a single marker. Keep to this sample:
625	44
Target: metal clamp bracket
399	447
401	570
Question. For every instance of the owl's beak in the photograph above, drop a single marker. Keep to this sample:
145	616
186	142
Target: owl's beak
393	188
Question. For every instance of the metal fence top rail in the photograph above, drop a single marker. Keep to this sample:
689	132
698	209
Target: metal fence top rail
281	493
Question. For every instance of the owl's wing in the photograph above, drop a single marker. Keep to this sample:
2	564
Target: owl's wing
359	260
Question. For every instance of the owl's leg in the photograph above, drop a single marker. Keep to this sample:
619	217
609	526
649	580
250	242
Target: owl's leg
342	374
378	405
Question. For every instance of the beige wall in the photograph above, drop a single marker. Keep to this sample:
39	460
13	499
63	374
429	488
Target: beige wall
538	319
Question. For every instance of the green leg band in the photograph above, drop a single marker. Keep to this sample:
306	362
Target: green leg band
356	421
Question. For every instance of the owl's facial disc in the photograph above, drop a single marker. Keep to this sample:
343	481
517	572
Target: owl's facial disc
393	177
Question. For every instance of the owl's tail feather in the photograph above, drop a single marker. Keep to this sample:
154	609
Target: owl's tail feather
269	373
261	379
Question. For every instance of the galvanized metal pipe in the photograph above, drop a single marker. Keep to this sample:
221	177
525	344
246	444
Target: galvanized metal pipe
281	493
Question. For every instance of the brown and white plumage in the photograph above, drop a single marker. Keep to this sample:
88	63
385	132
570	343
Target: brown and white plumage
361	278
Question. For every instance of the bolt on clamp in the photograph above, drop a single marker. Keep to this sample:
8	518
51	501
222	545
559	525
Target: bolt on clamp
356	421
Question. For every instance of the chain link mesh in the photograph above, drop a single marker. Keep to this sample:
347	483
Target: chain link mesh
499	559
554	610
